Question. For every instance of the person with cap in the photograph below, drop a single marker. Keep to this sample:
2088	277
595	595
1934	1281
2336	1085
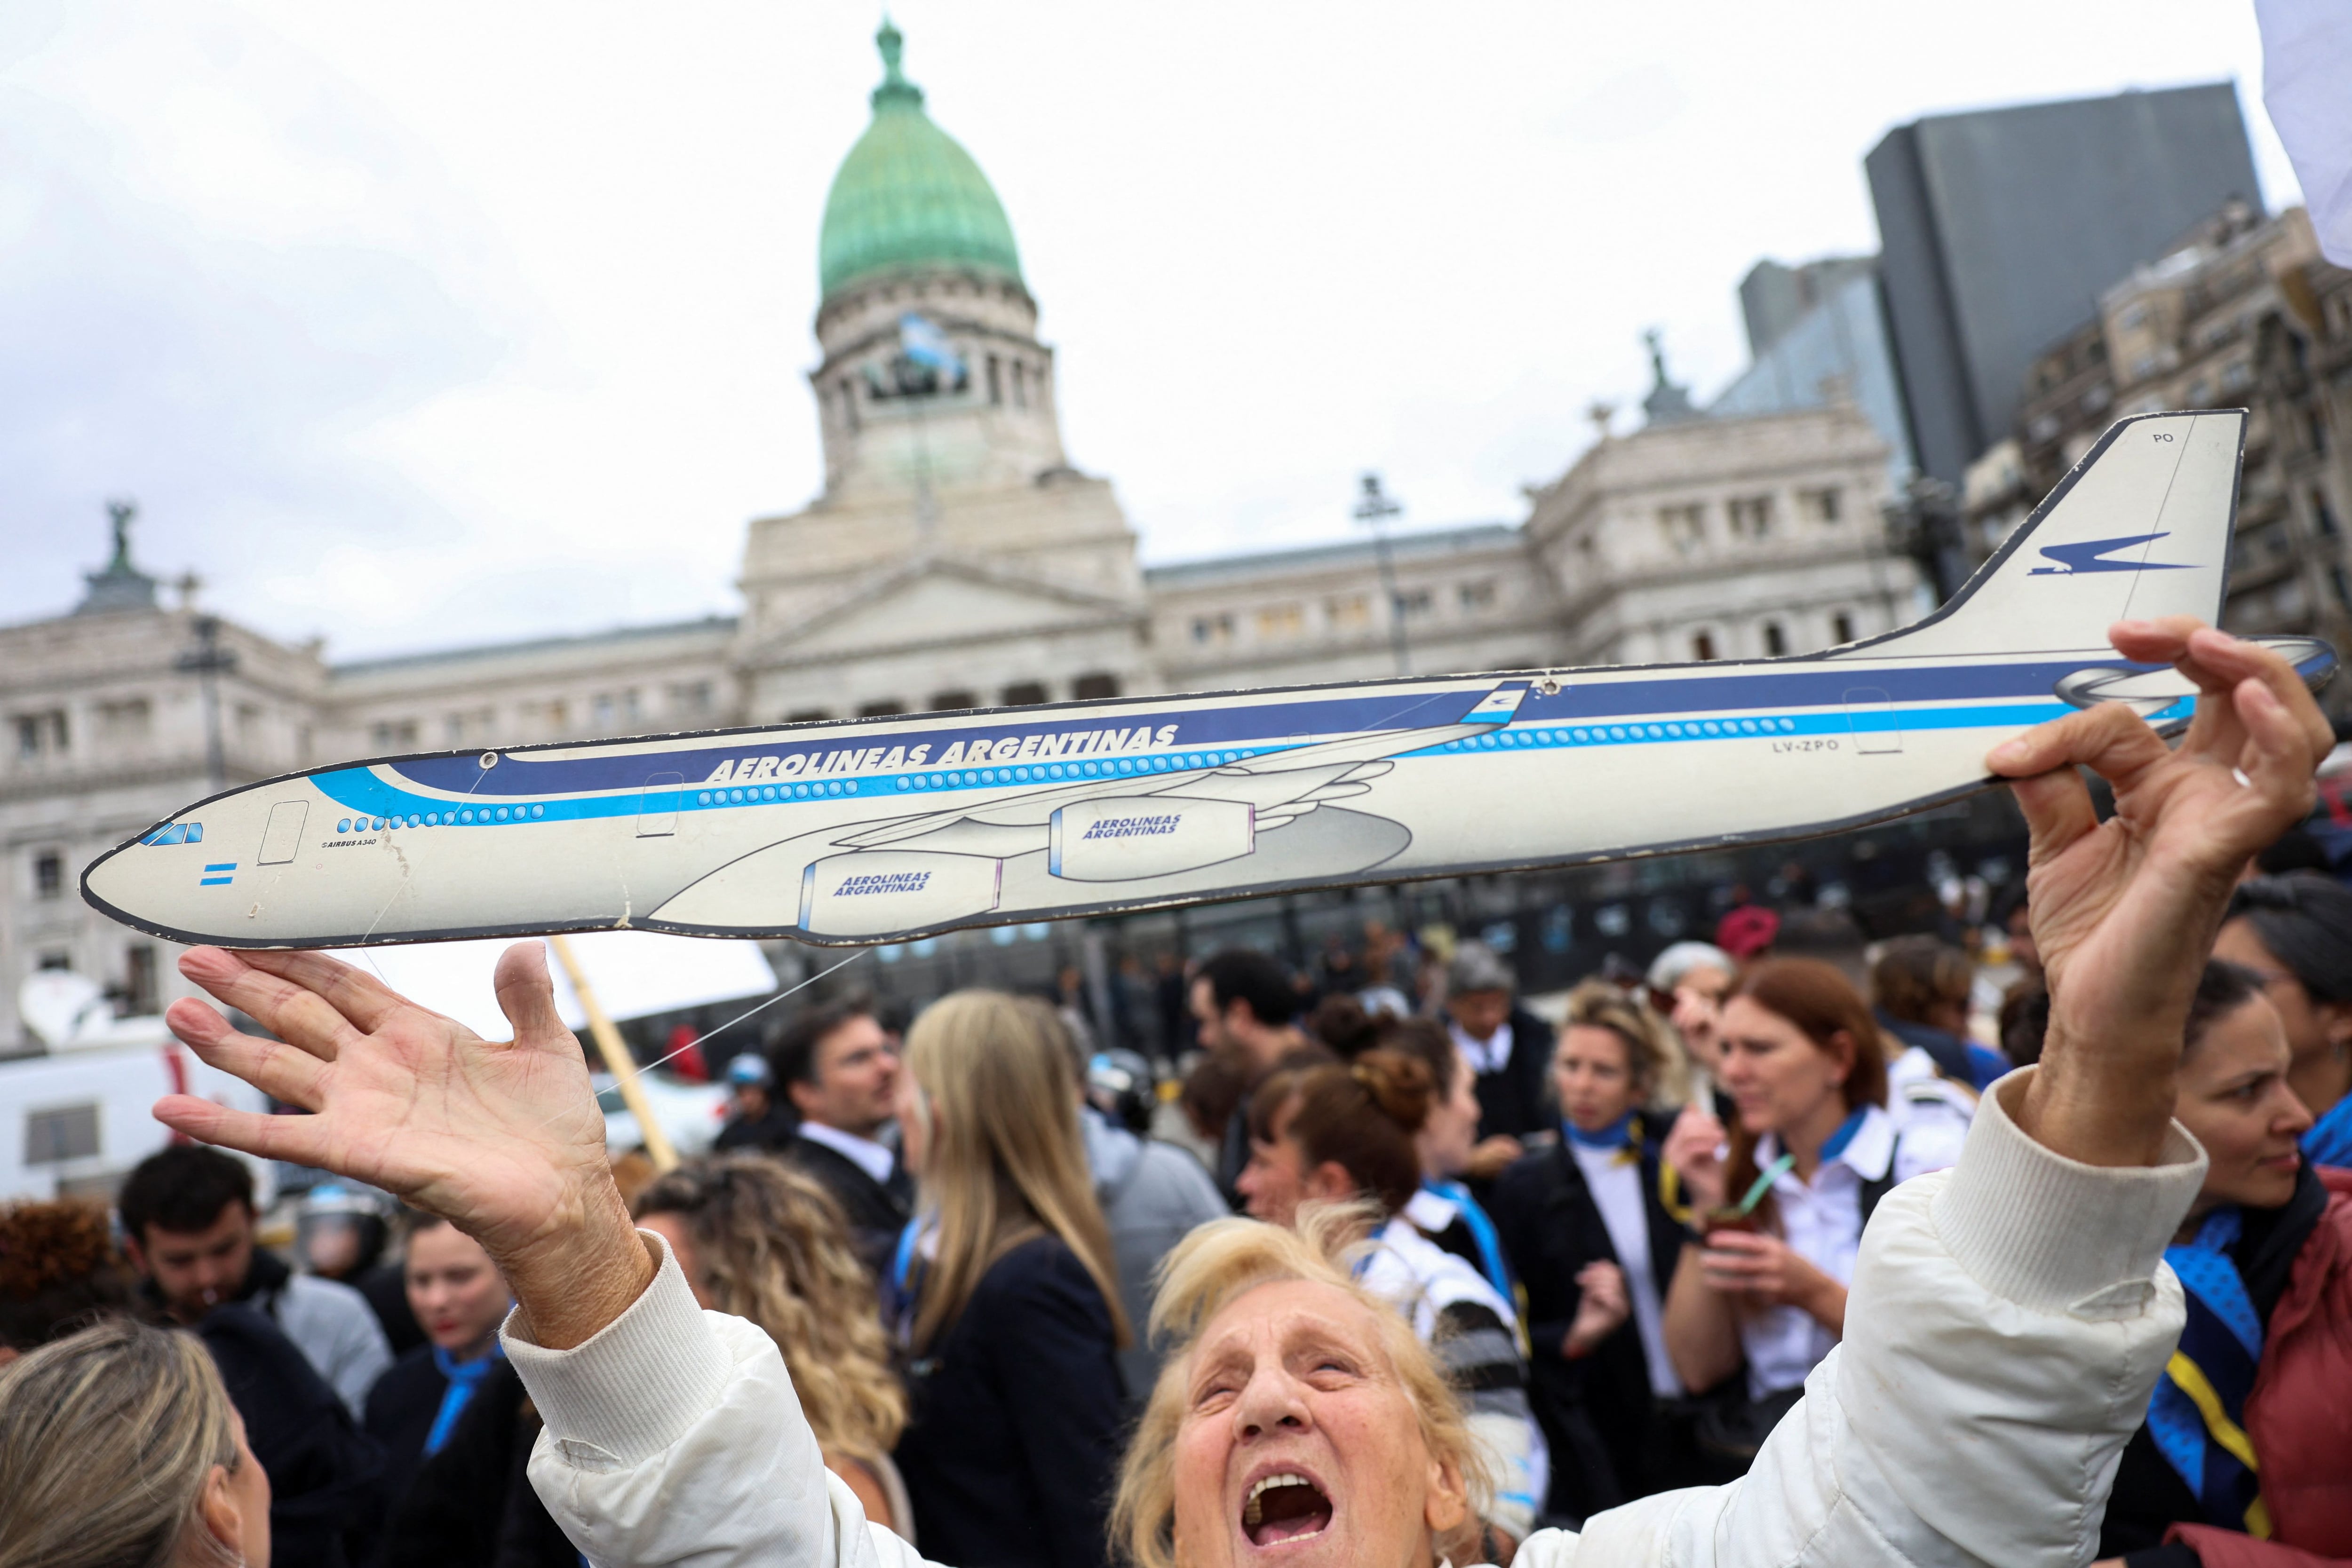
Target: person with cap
1507	1046
1746	931
755	1118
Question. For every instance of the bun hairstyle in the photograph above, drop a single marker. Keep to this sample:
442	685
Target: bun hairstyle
1360	1115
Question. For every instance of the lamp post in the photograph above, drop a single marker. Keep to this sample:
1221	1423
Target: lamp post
208	661
1375	508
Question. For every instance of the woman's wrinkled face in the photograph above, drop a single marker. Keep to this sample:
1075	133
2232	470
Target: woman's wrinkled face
1451	1131
2234	1099
1299	1447
1772	1070
1591	1074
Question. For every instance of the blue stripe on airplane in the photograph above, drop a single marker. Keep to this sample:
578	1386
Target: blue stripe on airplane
1795	686
363	791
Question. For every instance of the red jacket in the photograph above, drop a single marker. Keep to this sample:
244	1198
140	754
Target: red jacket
2299	1416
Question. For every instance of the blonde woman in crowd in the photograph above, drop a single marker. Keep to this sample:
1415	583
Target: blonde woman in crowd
119	1446
2018	1303
768	1244
1593	1225
1008	1294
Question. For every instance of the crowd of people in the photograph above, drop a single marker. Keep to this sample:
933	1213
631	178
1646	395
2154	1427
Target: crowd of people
1448	1276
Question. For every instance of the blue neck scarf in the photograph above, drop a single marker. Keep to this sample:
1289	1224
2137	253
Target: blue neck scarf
2330	1142
465	1377
1482	1232
2197	1413
1617	1135
1842	1137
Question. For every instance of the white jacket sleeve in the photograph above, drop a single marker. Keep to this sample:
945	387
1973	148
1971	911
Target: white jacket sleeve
674	1435
2006	1324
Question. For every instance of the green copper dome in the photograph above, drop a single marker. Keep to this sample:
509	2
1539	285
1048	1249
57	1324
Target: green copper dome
908	195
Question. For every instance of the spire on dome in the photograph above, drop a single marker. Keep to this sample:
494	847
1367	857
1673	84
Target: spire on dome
908	198
894	87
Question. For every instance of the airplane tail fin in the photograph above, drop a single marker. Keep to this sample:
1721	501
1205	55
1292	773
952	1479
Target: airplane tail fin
1498	705
2140	528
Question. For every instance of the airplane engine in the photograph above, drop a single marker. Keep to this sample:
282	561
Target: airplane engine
877	892
1150	835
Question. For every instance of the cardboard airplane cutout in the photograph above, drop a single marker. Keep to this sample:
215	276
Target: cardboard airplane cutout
888	829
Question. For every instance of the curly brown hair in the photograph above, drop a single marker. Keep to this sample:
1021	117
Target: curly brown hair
59	1270
773	1247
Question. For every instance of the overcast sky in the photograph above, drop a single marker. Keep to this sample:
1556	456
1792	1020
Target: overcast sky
419	324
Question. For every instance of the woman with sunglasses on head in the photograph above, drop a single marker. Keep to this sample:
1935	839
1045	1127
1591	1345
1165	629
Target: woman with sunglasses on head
1593	1225
2017	1303
2295	932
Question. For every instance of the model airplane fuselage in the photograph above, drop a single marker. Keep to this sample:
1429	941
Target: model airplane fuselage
884	830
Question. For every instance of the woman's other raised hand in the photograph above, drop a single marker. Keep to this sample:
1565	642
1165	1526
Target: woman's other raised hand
502	1138
2124	911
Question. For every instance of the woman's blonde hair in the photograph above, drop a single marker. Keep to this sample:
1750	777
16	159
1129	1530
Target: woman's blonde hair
1005	1163
774	1247
1653	1058
108	1438
1215	1267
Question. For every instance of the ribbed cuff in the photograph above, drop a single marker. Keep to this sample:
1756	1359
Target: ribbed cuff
634	1388
2050	1233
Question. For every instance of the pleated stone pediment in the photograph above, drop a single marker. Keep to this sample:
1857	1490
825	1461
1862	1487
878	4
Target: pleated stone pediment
939	600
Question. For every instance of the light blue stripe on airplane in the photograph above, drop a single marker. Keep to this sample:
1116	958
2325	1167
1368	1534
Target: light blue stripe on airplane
361	790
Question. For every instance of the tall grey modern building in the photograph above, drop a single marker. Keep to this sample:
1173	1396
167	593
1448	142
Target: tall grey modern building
1999	229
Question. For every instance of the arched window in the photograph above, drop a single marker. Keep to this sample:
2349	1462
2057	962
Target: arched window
1776	641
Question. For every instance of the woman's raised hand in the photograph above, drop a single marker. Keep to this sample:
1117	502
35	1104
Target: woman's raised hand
2124	910
502	1138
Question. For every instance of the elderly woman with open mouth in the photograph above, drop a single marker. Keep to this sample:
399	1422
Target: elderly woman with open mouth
2007	1322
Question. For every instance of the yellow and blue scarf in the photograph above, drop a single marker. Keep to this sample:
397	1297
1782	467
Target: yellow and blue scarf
2198	1416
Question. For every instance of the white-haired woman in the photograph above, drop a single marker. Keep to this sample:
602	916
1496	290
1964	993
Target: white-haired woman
119	1446
2007	1322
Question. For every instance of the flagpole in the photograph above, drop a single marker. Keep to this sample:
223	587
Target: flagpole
618	1060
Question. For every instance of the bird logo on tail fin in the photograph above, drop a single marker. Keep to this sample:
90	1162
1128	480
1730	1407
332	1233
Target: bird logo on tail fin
2090	555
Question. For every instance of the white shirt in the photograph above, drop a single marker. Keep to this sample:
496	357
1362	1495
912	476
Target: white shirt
1822	1222
1616	1184
1485	1056
874	1159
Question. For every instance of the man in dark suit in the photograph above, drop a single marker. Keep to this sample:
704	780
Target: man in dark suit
1510	1047
841	1072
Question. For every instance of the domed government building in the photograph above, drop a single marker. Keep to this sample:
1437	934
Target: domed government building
956	556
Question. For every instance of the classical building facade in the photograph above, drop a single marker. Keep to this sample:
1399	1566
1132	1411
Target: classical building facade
955	557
